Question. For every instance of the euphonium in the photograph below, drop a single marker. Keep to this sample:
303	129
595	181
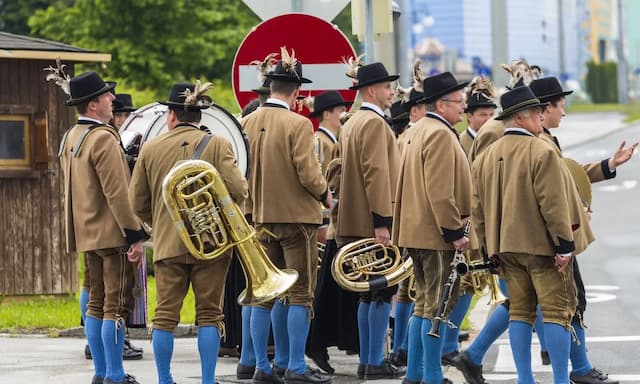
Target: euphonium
365	265
483	277
210	223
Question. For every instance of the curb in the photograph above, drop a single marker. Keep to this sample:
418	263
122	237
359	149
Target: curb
634	124
182	330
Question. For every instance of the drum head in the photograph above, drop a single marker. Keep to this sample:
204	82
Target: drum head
151	120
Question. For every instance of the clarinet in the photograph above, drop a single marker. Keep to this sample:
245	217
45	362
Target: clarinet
459	267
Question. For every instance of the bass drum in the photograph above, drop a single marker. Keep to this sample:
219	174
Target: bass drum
150	121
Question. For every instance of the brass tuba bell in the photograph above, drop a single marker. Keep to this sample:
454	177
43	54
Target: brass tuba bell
365	265
210	223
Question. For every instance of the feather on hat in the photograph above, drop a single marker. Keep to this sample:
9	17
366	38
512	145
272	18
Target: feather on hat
60	78
521	73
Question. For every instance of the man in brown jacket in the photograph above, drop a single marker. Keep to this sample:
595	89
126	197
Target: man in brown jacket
521	212
433	201
176	269
99	221
287	188
370	162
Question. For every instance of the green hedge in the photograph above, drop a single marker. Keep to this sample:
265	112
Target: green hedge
602	82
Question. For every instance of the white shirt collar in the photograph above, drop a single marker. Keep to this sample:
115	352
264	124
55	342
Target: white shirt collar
374	107
522	130
273	100
329	133
472	132
80	117
439	118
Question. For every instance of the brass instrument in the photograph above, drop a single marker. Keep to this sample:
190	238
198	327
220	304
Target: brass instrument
485	276
411	288
365	265
210	223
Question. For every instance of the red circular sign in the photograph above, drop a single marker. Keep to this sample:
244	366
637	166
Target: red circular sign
320	46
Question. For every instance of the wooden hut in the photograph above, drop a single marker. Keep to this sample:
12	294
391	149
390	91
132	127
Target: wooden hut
33	118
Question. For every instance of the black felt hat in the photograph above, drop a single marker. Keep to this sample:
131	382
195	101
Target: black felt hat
479	100
178	98
264	89
291	75
548	88
86	86
372	74
326	101
123	103
398	111
518	99
440	85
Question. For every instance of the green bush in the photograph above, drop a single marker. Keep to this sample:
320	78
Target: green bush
602	82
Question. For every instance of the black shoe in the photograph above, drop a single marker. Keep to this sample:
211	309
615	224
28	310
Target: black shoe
97	380
595	376
407	381
463	336
261	377
322	361
384	371
278	371
399	359
128	379
130	353
127	344
87	352
471	372
245	372
309	377
546	360
360	372
447	358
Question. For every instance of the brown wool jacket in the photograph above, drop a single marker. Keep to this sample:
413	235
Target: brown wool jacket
285	180
157	157
97	210
370	163
326	149
520	201
466	140
433	197
490	131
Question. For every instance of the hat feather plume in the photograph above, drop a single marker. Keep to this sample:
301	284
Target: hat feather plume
483	85
402	94
289	61
418	77
60	78
197	97
521	72
264	66
353	64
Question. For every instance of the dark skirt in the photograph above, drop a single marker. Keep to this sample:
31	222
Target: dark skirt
234	284
336	321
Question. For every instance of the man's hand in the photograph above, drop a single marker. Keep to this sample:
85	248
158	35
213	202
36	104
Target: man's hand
621	156
382	236
134	254
327	200
562	261
322	234
461	244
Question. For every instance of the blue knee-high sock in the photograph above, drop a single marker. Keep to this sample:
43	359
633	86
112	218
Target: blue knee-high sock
579	360
415	352
378	323
450	342
298	323
539	327
400	323
559	344
503	287
520	339
405	341
208	347
162	342
260	326
247	356
495	326
113	342
432	371
84	300
279	319
93	330
363	332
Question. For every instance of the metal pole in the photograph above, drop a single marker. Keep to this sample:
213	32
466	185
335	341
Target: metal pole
297	6
403	50
369	44
622	62
499	37
563	67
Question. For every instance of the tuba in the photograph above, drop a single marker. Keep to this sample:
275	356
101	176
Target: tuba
210	223
365	265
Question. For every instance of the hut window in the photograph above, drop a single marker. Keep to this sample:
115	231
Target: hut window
15	142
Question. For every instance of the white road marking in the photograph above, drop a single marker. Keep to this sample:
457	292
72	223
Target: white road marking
624	186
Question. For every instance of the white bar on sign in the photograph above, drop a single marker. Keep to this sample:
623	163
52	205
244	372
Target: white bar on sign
325	77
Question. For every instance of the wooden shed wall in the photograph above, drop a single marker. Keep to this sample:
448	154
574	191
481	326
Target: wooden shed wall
33	257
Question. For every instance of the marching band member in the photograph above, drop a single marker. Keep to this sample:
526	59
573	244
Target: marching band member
370	159
528	224
176	269
434	179
99	220
286	186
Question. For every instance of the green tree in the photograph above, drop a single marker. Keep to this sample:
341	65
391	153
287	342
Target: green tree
14	14
153	43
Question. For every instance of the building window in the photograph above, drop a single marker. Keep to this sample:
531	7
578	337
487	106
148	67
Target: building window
15	142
